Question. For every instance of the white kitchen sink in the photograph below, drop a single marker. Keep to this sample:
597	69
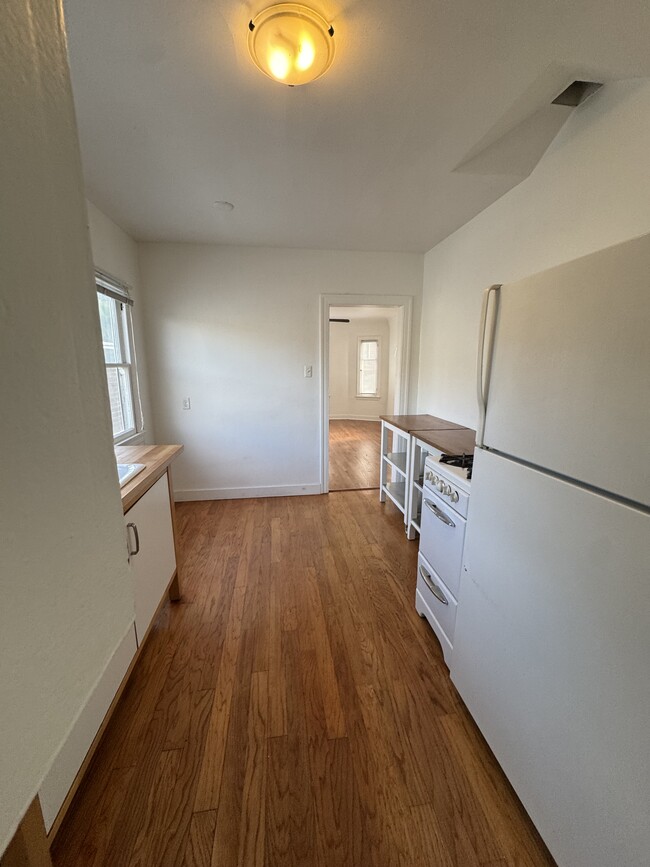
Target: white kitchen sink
126	472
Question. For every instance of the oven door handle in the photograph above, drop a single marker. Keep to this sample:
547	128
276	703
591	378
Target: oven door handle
440	515
437	592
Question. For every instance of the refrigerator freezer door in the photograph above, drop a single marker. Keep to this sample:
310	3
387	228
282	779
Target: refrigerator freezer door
552	656
569	388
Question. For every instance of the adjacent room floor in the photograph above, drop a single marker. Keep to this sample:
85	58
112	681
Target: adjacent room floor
294	709
354	454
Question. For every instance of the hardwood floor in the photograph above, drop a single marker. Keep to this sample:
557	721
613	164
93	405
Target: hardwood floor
293	709
354	454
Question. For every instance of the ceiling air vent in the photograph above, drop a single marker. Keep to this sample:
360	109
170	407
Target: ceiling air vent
577	92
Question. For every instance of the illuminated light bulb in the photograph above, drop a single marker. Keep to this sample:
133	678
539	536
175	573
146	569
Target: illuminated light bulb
306	54
279	63
291	43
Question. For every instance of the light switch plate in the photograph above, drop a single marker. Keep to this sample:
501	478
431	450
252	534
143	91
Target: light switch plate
186	403
308	370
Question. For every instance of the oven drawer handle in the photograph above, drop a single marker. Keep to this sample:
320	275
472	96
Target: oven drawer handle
437	592
440	515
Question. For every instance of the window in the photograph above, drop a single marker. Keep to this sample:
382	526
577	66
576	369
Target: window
368	367
119	358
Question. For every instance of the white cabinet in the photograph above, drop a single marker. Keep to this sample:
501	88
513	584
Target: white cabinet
151	545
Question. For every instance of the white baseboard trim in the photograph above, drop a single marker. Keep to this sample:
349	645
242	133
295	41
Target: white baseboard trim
72	752
246	493
354	418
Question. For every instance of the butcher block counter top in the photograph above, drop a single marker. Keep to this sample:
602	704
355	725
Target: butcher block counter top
410	423
156	460
451	442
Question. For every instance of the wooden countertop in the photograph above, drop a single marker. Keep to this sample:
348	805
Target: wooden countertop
410	423
450	442
156	460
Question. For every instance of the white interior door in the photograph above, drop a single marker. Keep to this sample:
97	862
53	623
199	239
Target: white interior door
552	656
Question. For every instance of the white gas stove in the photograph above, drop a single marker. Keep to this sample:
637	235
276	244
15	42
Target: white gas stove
445	501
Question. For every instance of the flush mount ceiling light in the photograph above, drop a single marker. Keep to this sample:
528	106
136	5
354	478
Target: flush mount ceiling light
291	43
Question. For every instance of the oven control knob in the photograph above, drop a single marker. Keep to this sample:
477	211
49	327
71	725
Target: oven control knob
454	497
434	479
441	485
428	475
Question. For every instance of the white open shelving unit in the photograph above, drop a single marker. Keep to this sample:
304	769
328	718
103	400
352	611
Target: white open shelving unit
394	473
403	453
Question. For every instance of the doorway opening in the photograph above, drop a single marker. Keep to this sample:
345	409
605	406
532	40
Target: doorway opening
364	352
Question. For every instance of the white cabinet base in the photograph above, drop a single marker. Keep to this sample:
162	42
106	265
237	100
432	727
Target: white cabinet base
153	567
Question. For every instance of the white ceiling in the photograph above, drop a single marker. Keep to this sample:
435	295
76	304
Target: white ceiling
431	111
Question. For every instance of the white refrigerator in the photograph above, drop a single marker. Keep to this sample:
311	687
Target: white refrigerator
552	640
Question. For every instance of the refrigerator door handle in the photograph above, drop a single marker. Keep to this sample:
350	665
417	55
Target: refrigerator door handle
485	341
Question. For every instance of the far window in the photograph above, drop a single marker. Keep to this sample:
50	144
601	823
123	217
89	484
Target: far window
368	367
117	340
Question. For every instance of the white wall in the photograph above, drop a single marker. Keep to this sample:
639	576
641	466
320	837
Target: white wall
590	190
116	253
344	348
231	328
66	602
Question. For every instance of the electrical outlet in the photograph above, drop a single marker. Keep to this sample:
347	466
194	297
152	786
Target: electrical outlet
186	403
308	370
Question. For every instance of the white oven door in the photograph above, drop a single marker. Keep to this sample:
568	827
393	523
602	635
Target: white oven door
442	533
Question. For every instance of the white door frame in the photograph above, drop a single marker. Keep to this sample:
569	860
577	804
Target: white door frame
405	302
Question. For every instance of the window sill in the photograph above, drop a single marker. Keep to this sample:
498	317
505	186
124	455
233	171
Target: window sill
135	439
368	397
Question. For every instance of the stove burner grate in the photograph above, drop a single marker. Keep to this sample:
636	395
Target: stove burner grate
463	461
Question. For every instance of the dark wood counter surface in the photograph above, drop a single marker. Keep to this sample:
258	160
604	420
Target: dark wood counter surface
451	442
410	423
156	460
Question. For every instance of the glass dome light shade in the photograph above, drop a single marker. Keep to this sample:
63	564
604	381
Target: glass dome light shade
291	43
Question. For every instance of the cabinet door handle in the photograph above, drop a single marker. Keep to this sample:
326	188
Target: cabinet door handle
437	592
133	527
440	515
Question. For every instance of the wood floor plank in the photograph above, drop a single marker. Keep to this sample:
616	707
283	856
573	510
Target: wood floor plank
230	800
164	830
91	846
292	835
313	636
210	774
147	846
294	709
198	852
277	696
278	803
339	813
252	824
